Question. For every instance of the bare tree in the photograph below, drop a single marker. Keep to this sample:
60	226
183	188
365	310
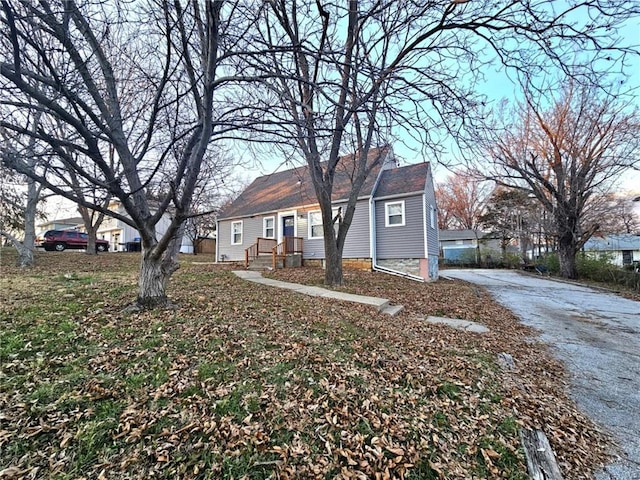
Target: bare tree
88	192
461	199
135	78
339	78
615	214
511	214
20	196
18	212
565	155
217	185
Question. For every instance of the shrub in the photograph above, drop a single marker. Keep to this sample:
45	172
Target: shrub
595	267
550	260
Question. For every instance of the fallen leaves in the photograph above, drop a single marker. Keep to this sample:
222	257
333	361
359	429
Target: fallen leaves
244	381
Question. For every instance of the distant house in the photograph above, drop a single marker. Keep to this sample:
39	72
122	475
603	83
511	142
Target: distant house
623	248
72	223
394	228
121	237
463	246
459	245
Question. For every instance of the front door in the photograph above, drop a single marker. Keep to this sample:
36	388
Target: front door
288	231
288	226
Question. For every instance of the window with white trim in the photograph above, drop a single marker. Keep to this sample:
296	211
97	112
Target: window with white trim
432	216
315	224
394	214
236	233
268	227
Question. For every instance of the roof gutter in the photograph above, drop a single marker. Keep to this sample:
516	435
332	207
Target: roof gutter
217	259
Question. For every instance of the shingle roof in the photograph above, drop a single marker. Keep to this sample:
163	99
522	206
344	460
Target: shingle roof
614	242
395	181
465	234
293	188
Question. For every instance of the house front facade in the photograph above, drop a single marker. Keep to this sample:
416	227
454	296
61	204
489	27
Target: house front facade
394	228
123	237
622	249
464	245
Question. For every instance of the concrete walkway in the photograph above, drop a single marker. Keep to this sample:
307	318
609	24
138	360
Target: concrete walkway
465	325
596	335
381	304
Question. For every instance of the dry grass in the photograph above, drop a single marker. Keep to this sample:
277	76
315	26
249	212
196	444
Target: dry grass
247	382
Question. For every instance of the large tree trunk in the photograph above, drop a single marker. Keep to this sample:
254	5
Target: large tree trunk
91	241
567	244
155	273
333	245
26	248
25	256
333	266
567	259
152	282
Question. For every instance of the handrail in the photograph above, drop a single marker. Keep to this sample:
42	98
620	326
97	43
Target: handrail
262	245
250	253
287	246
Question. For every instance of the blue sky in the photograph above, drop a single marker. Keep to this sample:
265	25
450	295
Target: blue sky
499	86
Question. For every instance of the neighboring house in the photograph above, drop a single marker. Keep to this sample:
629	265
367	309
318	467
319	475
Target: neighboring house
461	246
623	248
394	228
123	237
73	223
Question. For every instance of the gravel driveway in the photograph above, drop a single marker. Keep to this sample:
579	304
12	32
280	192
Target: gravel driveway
596	335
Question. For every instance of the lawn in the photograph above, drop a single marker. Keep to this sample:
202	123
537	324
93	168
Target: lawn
244	381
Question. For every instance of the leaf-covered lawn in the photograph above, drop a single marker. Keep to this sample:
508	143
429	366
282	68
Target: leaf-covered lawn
245	381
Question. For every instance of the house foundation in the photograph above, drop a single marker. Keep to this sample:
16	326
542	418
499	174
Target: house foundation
409	266
347	263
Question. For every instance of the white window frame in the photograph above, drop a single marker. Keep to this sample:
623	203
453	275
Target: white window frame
265	228
234	233
309	216
432	216
387	205
334	212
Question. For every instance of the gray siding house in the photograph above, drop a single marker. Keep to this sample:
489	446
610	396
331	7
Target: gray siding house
622	248
460	246
394	228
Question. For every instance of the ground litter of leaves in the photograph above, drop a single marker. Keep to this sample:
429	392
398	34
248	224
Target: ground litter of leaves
245	381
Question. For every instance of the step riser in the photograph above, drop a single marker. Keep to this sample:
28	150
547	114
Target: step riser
265	262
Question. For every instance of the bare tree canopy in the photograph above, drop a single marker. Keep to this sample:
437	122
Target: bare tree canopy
614	213
127	94
566	155
461	200
343	78
335	80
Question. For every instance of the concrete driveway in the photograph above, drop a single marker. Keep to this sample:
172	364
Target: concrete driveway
596	335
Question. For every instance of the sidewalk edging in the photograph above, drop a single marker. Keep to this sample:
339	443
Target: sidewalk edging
381	304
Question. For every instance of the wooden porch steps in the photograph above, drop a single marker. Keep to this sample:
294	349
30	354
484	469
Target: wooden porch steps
265	262
266	254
